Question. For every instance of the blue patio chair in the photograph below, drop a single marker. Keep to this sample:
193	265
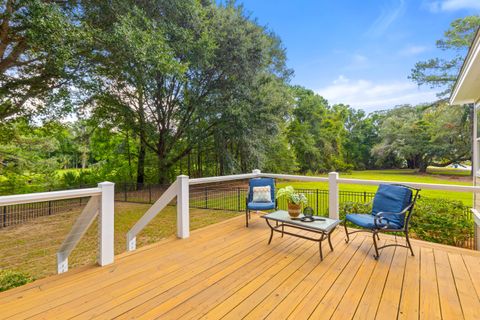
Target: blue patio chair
259	206
391	212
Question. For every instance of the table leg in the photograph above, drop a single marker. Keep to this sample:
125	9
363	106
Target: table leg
282	230
271	236
320	247
271	231
330	241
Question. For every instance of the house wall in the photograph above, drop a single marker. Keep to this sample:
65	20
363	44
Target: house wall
476	156
476	170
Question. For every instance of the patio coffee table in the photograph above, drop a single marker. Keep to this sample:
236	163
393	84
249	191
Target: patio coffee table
282	219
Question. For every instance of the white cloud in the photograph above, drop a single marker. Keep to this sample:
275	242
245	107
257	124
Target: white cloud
358	58
451	5
357	61
371	96
386	18
413	50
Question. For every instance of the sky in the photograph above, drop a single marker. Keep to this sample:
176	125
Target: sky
360	52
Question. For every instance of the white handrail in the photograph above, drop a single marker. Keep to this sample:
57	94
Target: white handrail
151	213
430	186
48	196
293	177
223	178
419	185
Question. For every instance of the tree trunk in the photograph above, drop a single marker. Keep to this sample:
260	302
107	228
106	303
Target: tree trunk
410	163
162	169
129	156
84	158
199	162
422	166
141	161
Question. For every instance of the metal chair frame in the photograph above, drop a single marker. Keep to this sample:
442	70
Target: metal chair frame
379	228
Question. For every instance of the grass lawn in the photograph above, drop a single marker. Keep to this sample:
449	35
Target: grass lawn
31	247
434	175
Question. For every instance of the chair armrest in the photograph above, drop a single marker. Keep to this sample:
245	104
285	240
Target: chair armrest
384	215
381	214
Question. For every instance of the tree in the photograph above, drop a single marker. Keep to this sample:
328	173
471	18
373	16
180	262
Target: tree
361	137
40	43
424	135
316	132
174	71
442	73
27	156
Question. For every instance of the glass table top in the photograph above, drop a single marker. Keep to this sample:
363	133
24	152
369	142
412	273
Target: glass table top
321	223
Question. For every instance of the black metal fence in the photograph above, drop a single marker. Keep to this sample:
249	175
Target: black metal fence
231	198
21	213
227	197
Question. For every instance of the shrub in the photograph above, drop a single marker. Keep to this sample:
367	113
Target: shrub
435	220
443	221
10	279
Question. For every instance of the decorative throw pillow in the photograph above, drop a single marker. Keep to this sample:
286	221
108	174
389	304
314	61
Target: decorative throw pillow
262	194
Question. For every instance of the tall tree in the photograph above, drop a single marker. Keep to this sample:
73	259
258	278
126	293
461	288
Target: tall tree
361	137
316	132
172	69
424	135
40	45
440	72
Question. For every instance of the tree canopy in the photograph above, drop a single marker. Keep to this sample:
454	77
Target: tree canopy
141	91
440	72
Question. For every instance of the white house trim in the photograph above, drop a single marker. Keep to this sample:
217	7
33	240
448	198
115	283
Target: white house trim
468	81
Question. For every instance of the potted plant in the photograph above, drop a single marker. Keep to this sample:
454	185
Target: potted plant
295	200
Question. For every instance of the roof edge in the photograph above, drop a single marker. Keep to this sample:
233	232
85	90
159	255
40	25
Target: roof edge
467	62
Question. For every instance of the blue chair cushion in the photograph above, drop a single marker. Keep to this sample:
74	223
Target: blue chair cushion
261	182
392	198
261	205
366	221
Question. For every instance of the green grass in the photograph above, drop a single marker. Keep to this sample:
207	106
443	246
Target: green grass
31	247
438	176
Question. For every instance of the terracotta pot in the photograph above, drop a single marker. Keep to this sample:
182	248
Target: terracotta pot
294	210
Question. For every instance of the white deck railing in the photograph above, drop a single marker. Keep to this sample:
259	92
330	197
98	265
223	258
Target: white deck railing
333	179
101	204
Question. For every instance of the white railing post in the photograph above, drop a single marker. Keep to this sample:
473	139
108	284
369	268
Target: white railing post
333	195
476	237
183	207
476	228
106	223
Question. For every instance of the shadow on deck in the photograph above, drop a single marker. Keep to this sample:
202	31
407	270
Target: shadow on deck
228	271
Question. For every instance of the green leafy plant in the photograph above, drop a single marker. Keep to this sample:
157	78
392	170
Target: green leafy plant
442	221
10	279
292	196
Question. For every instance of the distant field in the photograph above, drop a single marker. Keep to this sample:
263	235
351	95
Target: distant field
434	175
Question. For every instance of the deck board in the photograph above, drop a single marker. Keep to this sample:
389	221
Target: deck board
228	271
429	297
409	301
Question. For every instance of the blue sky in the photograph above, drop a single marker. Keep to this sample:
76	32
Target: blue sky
360	52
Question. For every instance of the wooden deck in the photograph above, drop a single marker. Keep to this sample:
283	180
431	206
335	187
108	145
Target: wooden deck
227	271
